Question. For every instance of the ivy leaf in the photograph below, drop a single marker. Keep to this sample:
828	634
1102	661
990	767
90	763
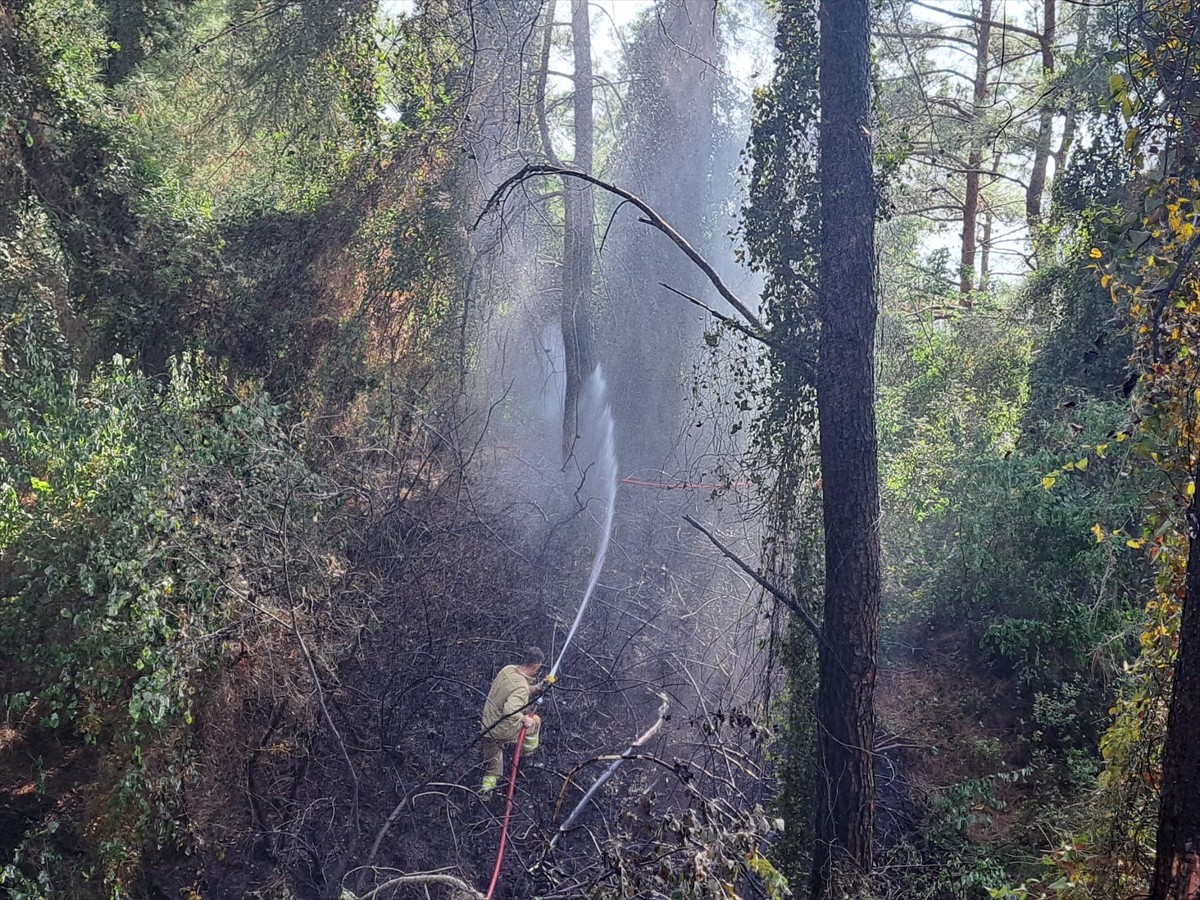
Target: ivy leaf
1048	482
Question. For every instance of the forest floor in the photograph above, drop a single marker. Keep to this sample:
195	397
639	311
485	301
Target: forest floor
955	727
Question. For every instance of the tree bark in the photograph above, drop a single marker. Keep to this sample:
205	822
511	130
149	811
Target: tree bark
1036	188
975	154
1177	864
578	237
849	466
1081	22
985	250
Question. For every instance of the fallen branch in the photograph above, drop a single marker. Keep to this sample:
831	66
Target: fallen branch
680	769
425	878
641	740
788	600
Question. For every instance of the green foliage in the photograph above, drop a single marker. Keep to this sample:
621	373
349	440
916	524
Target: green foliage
32	872
955	831
127	507
204	203
984	543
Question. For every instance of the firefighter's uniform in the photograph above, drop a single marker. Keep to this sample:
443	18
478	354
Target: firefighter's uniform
507	702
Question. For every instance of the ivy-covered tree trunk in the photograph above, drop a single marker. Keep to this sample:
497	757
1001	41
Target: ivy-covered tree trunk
1177	863
849	465
782	228
578	237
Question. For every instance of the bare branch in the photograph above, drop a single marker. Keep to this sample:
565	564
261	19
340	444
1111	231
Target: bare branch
782	596
1004	26
806	368
652	218
640	741
425	878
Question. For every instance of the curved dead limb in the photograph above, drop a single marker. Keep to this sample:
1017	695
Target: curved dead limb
752	326
681	769
641	740
423	878
733	323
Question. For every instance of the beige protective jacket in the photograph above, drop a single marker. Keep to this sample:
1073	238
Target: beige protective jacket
509	692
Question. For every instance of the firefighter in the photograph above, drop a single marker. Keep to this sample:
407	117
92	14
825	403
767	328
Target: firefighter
506	710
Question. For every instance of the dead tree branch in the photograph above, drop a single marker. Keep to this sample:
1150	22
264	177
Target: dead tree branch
423	878
788	600
733	323
641	741
752	325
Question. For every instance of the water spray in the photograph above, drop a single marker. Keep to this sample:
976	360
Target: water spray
606	470
606	465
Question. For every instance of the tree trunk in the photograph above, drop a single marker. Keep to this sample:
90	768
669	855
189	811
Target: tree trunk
1041	151
1177	865
1082	20
849	467
975	154
578	238
985	250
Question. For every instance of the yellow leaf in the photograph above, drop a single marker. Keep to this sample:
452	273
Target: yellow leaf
1104	280
1135	543
1100	448
1048	482
1082	464
1095	253
1121	436
1098	532
1191	488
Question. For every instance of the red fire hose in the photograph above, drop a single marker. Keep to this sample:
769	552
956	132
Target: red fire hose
512	786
